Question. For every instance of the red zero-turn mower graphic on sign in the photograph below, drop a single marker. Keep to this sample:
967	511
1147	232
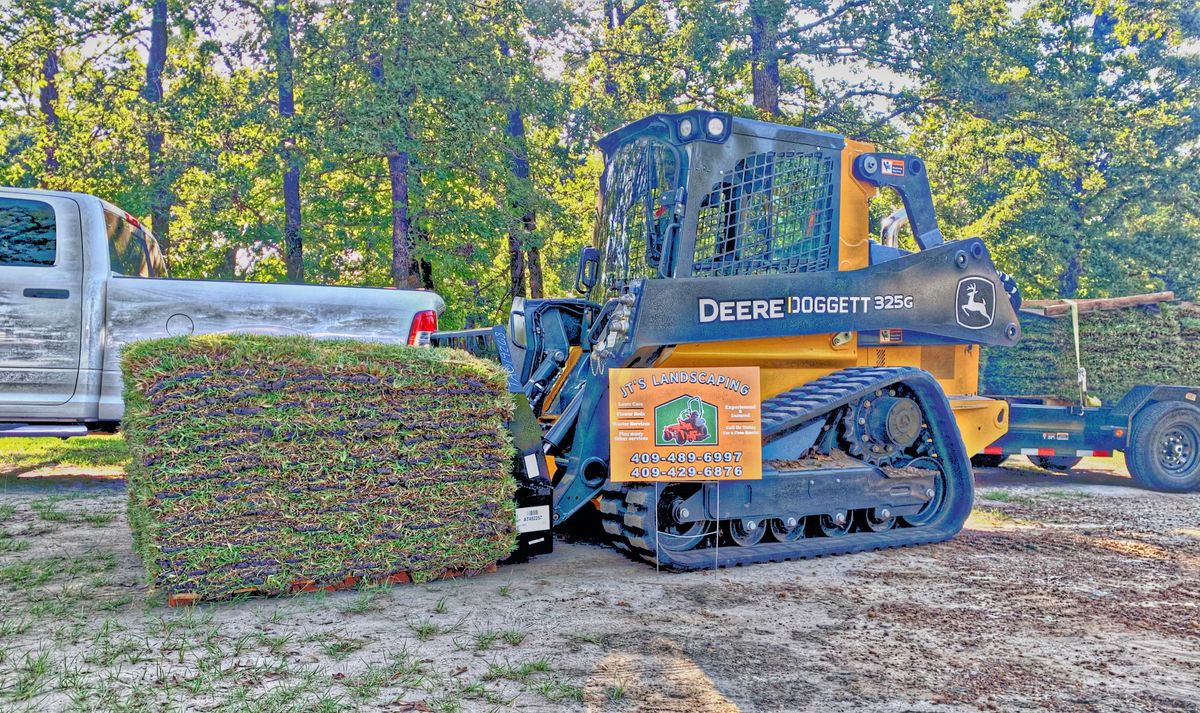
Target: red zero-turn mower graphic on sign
692	421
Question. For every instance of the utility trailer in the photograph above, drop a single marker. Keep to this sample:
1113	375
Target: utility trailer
1156	426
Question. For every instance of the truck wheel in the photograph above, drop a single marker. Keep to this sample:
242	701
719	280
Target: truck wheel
987	460
1058	464
1164	447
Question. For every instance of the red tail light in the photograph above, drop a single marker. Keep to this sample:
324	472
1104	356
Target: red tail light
423	326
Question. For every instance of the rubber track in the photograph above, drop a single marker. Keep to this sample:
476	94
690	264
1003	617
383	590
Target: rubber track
629	516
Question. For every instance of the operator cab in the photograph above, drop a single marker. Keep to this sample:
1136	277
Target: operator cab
702	194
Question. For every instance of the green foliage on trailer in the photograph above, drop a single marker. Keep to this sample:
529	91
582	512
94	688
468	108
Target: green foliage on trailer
260	462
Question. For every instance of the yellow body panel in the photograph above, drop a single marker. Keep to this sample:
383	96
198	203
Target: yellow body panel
980	420
573	355
854	250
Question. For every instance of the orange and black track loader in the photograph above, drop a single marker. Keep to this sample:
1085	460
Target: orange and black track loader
726	242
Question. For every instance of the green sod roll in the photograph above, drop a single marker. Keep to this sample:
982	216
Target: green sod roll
1119	348
259	462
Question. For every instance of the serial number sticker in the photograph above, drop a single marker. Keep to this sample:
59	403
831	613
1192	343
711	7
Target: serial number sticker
533	519
687	424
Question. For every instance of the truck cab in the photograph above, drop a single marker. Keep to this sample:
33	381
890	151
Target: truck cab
79	278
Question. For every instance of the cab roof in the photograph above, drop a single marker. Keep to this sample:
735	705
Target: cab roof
738	125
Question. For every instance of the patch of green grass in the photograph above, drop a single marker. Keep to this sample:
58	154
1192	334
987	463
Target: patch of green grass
485	639
587	637
276	643
519	672
109	646
425	630
7	511
512	637
1068	494
368	599
10	544
98	518
615	692
400	670
995	517
339	647
1005	496
33	676
14	626
28	574
98	450
441	607
557	691
445	703
47	509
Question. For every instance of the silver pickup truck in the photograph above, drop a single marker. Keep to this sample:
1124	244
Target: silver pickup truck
80	277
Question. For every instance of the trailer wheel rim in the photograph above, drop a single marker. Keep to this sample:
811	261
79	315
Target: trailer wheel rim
1179	449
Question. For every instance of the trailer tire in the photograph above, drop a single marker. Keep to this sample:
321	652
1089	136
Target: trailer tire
1058	464
1164	447
987	460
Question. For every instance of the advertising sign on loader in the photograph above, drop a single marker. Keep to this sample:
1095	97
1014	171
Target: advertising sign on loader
684	425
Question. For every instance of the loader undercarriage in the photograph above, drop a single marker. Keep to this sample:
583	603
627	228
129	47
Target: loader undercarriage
856	481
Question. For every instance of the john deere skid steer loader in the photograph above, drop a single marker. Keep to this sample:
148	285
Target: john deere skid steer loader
723	243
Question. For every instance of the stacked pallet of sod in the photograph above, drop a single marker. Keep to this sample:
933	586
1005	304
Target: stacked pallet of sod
1119	348
267	464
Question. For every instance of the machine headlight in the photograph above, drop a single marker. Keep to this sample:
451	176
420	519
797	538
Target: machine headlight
715	127
687	128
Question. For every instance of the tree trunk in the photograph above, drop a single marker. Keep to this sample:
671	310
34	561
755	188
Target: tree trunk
402	258
1068	280
422	267
519	237
516	262
764	61
406	270
522	234
537	287
612	19
293	244
48	102
161	194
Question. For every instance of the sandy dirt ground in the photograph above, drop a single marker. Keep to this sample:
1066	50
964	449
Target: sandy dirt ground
1077	593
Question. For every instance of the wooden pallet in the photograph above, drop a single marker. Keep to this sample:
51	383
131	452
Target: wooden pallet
1062	308
300	586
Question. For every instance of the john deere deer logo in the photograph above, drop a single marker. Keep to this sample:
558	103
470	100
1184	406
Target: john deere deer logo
685	421
976	303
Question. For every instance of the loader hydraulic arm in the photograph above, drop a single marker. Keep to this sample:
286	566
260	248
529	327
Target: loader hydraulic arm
905	174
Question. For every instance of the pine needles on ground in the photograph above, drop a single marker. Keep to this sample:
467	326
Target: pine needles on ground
259	462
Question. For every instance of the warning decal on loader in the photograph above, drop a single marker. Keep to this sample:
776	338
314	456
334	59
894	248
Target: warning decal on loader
684	425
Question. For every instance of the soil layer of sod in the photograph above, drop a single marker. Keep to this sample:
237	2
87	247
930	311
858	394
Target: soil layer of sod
263	462
1119	349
